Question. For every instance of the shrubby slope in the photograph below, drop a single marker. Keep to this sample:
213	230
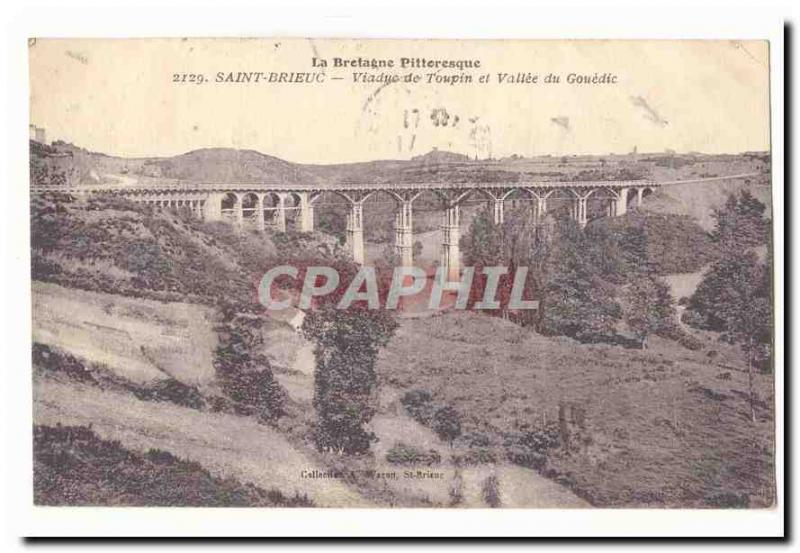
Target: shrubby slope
665	427
73	466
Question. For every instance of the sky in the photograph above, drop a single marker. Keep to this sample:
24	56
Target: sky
117	96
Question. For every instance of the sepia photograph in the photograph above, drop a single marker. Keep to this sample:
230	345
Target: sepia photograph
300	280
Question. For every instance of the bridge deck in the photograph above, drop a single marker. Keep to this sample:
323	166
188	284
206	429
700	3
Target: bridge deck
368	186
303	187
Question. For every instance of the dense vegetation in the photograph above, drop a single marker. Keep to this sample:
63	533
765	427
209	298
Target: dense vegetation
658	243
442	419
347	342
244	374
58	363
73	466
407	455
116	246
588	281
735	295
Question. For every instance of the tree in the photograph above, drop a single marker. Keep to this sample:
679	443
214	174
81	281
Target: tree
490	489
735	298
483	242
747	311
345	394
752	328
575	301
567	271
416	250
518	242
647	306
735	295
244	374
740	223
618	249
330	217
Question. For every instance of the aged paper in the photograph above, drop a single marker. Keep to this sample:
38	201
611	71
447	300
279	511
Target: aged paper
402	273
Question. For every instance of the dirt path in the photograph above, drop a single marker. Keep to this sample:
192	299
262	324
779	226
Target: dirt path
519	487
226	445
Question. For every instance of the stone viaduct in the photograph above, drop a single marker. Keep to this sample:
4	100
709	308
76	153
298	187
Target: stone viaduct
262	206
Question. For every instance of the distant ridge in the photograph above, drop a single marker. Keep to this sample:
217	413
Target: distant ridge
441	156
227	165
62	163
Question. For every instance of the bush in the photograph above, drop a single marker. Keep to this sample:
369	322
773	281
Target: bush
529	449
672	331
690	342
476	439
288	244
173	391
444	420
491	491
257	390
694	319
53	360
526	458
456	489
478	456
419	405
447	424
245	377
407	455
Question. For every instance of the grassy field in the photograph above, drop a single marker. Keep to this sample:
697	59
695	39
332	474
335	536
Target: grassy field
662	427
139	340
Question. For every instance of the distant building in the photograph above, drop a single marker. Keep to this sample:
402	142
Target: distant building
37	134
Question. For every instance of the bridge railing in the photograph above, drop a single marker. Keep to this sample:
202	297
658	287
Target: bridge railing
302	187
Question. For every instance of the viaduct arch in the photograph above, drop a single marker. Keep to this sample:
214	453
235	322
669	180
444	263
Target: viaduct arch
261	206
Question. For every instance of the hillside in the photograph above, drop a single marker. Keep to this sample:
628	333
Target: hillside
697	200
226	446
663	428
440	156
226	165
117	246
142	341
